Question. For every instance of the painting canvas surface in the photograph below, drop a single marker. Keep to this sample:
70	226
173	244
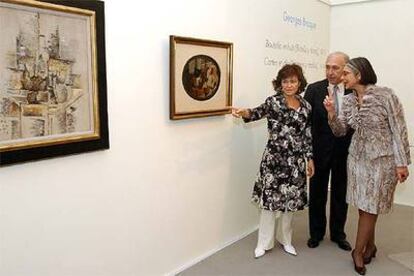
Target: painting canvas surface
46	82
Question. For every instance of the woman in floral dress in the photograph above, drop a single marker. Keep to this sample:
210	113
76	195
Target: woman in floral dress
280	188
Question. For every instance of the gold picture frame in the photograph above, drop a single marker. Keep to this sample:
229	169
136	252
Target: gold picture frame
52	100
201	76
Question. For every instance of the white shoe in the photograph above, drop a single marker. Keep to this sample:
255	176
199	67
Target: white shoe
290	249
258	252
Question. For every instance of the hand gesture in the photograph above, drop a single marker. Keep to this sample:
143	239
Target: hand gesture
240	112
402	174
329	102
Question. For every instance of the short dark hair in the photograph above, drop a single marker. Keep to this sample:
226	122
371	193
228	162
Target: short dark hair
365	69
290	70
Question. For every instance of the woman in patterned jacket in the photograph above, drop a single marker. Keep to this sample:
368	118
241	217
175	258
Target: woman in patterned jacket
379	151
280	188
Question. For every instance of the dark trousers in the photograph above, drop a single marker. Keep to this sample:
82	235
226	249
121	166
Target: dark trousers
318	195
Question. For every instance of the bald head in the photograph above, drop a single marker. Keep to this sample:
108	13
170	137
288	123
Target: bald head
339	54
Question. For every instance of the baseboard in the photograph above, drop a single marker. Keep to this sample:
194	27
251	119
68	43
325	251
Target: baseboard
211	252
406	204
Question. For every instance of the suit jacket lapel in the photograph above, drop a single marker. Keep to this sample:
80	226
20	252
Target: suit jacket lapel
325	87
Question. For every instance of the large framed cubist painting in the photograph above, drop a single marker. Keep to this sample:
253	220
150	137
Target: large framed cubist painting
200	77
52	79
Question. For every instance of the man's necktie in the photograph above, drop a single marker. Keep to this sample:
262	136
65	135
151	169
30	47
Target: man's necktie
335	95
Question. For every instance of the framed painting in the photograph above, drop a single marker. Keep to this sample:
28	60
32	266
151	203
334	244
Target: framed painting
52	79
200	77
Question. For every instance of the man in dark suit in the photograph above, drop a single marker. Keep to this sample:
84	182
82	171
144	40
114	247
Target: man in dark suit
330	155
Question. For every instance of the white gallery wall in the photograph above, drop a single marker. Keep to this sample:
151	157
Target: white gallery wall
167	193
382	31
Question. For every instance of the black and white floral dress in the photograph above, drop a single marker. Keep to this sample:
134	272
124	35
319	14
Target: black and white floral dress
281	182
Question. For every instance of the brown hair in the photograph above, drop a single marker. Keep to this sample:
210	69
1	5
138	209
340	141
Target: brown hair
290	70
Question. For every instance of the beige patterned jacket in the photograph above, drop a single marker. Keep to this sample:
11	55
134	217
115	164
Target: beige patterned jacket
379	124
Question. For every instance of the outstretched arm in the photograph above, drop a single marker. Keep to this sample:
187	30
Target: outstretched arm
253	114
241	112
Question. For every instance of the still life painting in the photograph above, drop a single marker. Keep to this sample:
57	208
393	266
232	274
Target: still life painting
48	75
200	77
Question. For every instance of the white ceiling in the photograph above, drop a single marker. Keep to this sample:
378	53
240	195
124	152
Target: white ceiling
339	2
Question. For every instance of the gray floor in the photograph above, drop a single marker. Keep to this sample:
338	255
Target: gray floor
395	234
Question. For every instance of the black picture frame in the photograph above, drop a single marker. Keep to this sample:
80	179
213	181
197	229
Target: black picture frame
101	142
